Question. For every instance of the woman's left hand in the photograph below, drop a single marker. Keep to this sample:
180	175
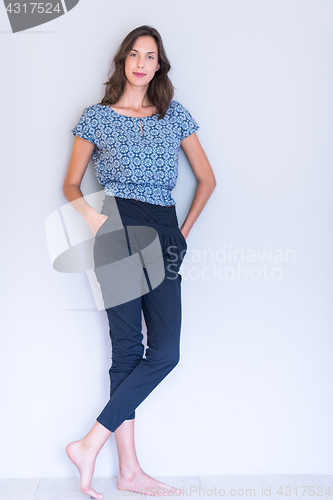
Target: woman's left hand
184	233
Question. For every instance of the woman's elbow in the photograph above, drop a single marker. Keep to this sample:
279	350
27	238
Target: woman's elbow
211	182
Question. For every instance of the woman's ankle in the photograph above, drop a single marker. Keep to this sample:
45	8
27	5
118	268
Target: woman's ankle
129	470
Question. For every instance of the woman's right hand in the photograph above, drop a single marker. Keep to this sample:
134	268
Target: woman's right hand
95	225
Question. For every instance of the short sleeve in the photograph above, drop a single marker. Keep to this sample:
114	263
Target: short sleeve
85	127
188	124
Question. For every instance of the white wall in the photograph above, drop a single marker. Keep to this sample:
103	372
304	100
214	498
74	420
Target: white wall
252	393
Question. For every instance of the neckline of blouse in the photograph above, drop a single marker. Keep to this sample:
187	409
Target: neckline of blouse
125	116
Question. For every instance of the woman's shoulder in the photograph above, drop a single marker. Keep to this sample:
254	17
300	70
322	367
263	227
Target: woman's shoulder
96	114
92	109
175	104
99	107
177	107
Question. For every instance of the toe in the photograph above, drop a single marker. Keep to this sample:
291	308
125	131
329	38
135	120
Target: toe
92	493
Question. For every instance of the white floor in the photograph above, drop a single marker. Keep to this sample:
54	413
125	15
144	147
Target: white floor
279	487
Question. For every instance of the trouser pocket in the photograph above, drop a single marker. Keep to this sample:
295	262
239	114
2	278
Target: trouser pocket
183	238
102	226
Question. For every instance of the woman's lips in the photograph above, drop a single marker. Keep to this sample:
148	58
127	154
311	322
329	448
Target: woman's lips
139	74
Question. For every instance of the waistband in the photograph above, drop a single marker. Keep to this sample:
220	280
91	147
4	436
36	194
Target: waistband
136	212
140	191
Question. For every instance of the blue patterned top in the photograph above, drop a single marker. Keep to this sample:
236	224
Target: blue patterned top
131	165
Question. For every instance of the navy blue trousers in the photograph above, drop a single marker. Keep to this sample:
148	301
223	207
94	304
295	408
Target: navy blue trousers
132	376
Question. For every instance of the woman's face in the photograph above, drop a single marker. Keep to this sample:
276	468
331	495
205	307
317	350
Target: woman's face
142	62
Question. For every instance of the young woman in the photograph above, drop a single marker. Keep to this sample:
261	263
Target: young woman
133	137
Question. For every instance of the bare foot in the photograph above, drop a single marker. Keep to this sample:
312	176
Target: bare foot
139	482
85	462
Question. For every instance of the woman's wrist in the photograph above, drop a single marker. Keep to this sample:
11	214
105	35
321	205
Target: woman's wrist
75	197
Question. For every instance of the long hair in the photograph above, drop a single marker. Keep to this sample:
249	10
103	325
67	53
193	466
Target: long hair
160	89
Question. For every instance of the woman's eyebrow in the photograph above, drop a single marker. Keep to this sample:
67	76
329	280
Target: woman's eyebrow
151	52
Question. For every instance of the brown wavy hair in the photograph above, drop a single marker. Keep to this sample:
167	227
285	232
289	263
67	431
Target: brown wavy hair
160	89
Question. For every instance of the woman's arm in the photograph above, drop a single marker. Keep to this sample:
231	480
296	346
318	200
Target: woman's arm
204	175
81	154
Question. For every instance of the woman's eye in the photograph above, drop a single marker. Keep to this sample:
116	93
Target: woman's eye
134	54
